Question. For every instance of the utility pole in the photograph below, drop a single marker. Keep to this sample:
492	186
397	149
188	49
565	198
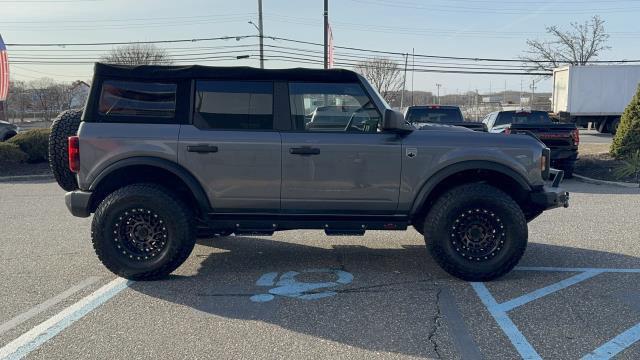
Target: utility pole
533	92
438	86
261	30
404	81
413	71
326	34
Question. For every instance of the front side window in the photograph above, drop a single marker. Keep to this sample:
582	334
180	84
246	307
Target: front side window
336	107
234	105
137	99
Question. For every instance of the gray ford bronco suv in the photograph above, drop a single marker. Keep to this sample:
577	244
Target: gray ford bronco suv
166	154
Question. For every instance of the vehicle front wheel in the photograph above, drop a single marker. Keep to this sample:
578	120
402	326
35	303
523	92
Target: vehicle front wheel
142	232
476	232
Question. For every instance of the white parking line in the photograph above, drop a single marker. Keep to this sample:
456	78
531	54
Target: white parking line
19	319
32	339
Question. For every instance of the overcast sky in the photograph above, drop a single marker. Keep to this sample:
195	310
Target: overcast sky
473	28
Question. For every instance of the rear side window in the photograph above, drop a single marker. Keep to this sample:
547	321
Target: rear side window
435	115
234	105
523	117
137	99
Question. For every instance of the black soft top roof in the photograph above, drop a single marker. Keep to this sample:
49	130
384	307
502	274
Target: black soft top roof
167	72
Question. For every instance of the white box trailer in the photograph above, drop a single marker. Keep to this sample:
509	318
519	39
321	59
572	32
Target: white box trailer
594	93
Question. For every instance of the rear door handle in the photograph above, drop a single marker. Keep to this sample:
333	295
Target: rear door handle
305	150
202	148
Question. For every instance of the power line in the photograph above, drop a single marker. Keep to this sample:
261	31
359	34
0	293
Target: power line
238	38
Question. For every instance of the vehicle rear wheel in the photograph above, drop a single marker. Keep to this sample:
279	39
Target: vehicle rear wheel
476	232
142	232
8	136
65	125
613	126
568	169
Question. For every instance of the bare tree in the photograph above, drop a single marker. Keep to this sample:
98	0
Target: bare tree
383	74
19	100
579	45
137	54
45	94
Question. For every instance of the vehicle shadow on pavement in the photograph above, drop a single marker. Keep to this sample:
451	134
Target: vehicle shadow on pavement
392	304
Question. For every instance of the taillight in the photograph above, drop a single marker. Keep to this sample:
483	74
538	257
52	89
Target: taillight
74	154
507	130
575	134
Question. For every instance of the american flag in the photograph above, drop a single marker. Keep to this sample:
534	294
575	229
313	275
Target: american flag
4	71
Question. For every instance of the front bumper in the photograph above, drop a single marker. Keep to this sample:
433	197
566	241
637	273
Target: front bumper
78	203
551	195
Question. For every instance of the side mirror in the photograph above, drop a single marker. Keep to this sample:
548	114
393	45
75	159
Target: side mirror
394	121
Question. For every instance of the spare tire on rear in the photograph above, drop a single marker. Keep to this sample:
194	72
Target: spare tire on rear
65	125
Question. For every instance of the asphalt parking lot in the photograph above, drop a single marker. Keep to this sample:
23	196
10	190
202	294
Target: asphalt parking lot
303	295
594	137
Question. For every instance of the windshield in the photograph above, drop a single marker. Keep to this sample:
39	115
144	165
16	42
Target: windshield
434	115
512	117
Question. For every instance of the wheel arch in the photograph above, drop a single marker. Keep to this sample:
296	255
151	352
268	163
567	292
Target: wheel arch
151	170
508	179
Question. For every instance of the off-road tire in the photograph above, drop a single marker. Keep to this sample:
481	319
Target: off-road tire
65	125
440	235
175	215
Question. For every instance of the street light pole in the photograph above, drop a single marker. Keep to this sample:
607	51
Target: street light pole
261	30
326	33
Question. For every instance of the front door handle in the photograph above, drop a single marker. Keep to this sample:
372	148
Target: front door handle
202	148
305	150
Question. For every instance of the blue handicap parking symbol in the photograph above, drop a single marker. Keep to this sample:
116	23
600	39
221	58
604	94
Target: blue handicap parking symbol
288	286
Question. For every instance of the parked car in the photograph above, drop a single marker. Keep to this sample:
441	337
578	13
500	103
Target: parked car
165	154
420	116
563	139
7	130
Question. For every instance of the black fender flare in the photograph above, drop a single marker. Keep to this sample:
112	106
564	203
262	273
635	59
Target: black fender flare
192	183
449	170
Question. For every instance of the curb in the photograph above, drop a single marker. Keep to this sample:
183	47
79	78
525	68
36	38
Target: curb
25	177
589	180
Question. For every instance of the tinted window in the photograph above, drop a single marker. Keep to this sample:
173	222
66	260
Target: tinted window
524	117
332	107
434	115
127	98
234	105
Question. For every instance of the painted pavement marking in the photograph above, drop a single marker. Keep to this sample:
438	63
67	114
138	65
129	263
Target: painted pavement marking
520	342
19	319
32	339
288	286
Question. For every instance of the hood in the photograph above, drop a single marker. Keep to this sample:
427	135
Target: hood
458	136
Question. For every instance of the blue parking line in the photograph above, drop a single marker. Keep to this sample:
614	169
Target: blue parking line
614	346
510	329
519	301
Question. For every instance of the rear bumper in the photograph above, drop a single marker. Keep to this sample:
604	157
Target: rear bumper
551	195
78	203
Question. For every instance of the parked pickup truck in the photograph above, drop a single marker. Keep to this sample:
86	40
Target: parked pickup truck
562	138
166	154
420	116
